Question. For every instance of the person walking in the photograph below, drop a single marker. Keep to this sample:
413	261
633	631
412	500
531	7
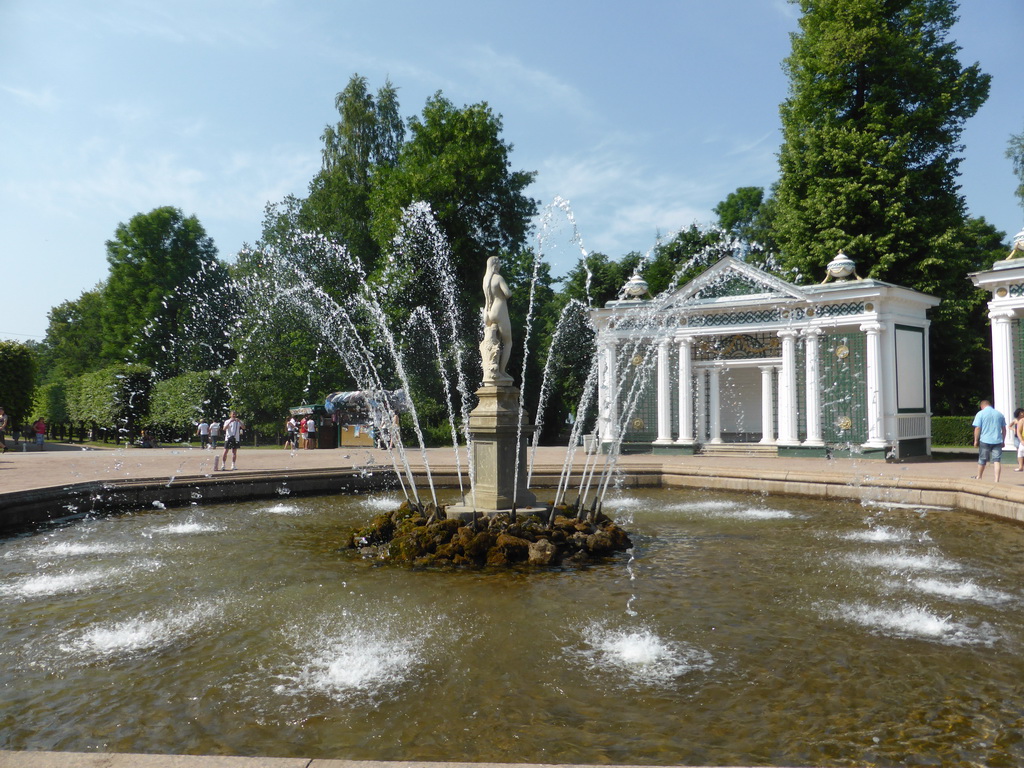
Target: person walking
5	422
203	430
232	437
214	433
989	435
291	430
1015	428
40	430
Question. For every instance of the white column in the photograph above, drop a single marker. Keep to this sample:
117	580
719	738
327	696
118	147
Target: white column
611	404
664	395
787	390
813	398
1003	384
685	393
767	404
876	438
702	427
714	405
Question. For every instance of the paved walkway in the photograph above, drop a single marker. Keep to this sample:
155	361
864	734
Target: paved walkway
953	474
60	465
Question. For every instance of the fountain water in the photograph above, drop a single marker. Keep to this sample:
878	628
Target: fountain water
742	630
745	630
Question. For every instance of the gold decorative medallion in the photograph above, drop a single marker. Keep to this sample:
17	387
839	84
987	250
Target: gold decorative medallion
1001	293
637	359
638	424
845	423
842	352
869	307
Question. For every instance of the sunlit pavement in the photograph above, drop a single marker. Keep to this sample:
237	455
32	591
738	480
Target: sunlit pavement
948	480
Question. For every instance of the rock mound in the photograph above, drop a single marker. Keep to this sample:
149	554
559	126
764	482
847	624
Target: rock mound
408	536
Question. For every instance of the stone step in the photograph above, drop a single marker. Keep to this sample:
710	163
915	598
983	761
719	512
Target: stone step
739	449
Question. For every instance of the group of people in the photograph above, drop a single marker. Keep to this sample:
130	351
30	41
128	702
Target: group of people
300	434
36	431
210	431
990	435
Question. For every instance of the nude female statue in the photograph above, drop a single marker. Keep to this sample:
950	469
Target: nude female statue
496	295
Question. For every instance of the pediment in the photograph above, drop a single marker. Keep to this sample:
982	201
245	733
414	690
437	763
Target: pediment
730	278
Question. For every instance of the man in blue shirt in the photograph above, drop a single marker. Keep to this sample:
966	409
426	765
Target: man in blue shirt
989	434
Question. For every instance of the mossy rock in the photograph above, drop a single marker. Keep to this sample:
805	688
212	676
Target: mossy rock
409	536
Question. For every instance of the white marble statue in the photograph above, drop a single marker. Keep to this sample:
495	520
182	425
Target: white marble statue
496	346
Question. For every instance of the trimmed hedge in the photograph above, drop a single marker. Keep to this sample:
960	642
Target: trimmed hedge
17	380
116	397
178	404
952	430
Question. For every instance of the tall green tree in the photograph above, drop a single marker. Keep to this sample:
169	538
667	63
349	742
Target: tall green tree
870	157
366	138
1015	152
165	294
871	138
457	162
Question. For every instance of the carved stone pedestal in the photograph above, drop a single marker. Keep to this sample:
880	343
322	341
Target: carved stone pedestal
494	424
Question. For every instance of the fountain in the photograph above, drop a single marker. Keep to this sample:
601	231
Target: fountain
736	630
745	630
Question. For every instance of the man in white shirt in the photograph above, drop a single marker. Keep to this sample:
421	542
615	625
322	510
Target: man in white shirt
232	437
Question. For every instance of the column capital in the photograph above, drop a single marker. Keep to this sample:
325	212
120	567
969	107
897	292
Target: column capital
1001	315
872	327
788	333
813	331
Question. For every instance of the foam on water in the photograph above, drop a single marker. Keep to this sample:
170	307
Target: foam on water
69	549
381	503
963	590
138	635
880	535
701	506
915	622
355	661
902	505
640	655
902	560
624	503
59	583
760	513
188	527
280	509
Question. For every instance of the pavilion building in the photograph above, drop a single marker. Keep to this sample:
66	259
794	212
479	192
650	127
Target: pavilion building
739	359
1005	284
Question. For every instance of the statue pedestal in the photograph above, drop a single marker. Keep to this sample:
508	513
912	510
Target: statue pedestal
494	425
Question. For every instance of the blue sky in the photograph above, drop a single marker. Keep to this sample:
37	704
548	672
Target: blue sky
642	115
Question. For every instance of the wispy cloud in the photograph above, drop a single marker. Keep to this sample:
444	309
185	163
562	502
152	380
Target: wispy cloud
41	99
508	74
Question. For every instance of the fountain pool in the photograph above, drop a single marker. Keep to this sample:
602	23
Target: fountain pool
740	631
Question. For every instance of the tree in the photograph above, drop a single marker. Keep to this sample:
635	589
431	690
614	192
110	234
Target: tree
165	295
748	215
366	138
870	155
1015	152
457	162
74	337
871	133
